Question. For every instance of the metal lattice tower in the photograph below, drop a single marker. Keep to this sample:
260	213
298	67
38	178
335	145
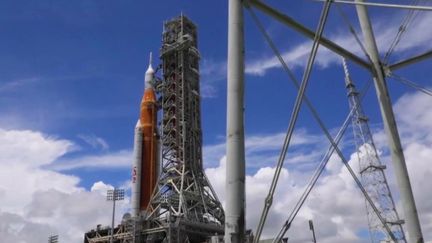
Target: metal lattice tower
185	201
53	239
372	172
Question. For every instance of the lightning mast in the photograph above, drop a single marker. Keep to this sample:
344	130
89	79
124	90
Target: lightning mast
372	172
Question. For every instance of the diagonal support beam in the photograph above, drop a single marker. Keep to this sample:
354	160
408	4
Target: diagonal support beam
290	22
385	5
410	61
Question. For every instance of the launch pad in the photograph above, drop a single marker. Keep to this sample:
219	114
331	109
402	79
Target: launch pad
172	199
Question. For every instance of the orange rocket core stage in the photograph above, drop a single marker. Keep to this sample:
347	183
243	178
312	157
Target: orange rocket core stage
149	168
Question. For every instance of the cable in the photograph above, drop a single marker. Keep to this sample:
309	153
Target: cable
406	21
352	30
411	84
269	198
294	116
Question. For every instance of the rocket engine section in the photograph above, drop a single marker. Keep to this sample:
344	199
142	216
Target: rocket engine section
146	163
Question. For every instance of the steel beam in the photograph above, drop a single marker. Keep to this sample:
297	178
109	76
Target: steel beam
411	60
235	151
386	5
400	169
290	22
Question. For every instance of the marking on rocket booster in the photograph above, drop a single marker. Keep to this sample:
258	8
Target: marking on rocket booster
134	174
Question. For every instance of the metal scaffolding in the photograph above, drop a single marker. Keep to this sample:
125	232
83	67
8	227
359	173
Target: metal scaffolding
122	234
184	206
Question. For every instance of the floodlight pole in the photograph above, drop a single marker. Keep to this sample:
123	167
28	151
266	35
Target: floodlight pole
400	169
112	222
114	195
235	151
311	227
53	239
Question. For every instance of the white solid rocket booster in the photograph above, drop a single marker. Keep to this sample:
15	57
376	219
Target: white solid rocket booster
136	170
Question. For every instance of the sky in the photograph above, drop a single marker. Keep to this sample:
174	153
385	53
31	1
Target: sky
71	81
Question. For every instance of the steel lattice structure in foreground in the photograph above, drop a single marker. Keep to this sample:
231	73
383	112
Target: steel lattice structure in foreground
374	64
371	171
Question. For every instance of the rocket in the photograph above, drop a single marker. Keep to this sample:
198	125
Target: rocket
146	142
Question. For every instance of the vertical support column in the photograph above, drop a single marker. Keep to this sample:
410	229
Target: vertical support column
235	151
112	222
401	172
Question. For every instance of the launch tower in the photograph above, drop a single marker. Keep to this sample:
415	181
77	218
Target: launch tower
372	172
184	206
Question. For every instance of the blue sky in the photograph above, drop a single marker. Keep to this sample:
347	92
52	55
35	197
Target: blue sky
72	72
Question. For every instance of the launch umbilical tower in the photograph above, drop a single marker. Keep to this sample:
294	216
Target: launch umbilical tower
371	171
184	206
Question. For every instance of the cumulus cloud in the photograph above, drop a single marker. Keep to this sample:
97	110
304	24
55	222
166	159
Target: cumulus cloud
336	205
414	123
37	202
336	215
101	187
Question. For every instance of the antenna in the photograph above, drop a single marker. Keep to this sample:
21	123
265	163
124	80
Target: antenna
345	67
348	80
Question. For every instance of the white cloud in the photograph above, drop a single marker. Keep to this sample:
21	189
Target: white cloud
263	149
336	216
23	148
294	58
94	141
415	39
336	205
101	187
37	202
211	71
112	160
414	123
23	154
